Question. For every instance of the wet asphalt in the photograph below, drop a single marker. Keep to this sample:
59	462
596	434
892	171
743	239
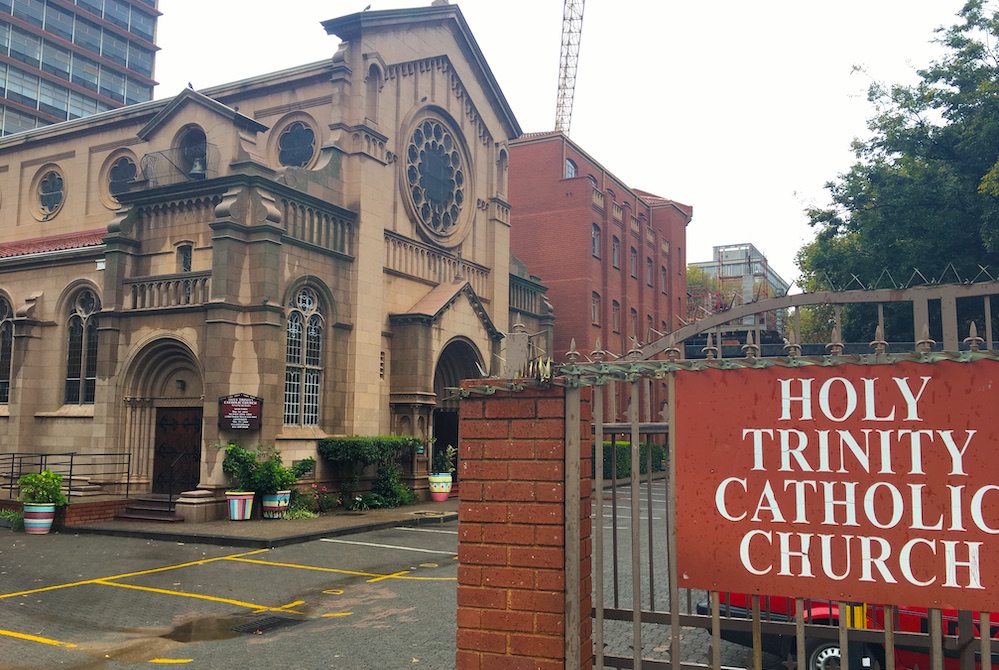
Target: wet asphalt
364	591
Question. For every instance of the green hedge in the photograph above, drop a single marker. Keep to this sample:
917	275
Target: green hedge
624	459
367	450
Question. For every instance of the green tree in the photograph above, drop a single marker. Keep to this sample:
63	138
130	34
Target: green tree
921	202
702	292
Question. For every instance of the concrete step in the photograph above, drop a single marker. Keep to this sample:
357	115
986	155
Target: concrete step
129	514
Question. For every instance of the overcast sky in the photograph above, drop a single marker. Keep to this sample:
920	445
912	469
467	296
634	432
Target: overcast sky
743	109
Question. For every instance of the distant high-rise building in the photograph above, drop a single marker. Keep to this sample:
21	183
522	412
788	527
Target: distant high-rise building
61	59
739	274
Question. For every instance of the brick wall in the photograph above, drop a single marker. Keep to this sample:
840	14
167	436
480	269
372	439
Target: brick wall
79	513
512	572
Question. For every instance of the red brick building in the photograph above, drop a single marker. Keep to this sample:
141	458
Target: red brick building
613	257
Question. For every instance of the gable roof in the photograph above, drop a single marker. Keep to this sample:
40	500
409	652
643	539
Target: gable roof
190	96
352	27
432	306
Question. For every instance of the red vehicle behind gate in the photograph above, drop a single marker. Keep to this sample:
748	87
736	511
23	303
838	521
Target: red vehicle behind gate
824	653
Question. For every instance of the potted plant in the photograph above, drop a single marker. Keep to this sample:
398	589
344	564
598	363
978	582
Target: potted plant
41	493
260	470
240	464
273	480
441	471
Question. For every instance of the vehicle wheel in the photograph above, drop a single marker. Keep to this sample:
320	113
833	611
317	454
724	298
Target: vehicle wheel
822	655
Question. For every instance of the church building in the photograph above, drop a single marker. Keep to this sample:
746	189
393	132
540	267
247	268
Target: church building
325	248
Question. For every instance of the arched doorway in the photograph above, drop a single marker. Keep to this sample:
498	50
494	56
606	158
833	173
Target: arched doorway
459	360
164	415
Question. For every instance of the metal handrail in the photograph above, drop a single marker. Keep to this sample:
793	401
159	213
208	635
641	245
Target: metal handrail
106	468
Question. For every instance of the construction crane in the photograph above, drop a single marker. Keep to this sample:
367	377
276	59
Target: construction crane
572	30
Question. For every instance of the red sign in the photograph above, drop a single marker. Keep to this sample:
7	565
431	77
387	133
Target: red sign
866	483
240	412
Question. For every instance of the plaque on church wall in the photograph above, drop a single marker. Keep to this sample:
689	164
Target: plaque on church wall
240	411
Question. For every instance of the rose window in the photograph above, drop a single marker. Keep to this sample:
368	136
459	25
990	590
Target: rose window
435	176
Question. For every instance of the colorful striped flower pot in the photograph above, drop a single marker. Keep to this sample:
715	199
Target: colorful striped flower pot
440	486
240	505
38	518
274	505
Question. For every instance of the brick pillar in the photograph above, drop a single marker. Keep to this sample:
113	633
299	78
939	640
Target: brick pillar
512	584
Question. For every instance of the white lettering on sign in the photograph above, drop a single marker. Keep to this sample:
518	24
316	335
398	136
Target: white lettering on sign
856	481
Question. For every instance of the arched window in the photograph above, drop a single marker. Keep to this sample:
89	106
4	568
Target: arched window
595	241
6	348
595	308
634	323
615	252
633	263
570	169
81	358
662	279
649	272
616	316
303	359
372	85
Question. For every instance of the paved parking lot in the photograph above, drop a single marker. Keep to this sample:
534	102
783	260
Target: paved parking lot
381	599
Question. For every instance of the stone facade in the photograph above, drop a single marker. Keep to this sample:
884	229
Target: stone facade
332	239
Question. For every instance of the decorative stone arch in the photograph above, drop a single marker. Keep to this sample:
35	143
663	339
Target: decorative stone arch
162	391
325	295
459	359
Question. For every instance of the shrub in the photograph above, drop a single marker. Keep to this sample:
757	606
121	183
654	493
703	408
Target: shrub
623	453
42	488
367	450
260	468
443	460
14	516
353	454
389	489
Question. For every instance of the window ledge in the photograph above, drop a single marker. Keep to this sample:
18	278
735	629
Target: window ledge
68	411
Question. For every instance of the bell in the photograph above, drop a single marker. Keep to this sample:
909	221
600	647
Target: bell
197	170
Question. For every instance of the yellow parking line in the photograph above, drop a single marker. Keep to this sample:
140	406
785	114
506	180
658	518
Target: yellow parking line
304	567
373	576
129	574
35	638
199	596
392	576
171	660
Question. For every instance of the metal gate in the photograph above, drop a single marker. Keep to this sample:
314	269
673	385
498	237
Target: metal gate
642	618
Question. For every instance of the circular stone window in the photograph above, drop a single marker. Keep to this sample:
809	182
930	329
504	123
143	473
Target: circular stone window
296	145
48	187
436	178
117	175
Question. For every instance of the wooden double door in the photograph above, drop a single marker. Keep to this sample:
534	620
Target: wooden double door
177	451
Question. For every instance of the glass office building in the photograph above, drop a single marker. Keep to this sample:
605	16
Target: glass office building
63	59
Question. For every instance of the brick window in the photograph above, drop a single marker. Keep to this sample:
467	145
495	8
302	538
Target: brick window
570	169
662	279
616	316
595	241
633	263
634	323
595	307
649	272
